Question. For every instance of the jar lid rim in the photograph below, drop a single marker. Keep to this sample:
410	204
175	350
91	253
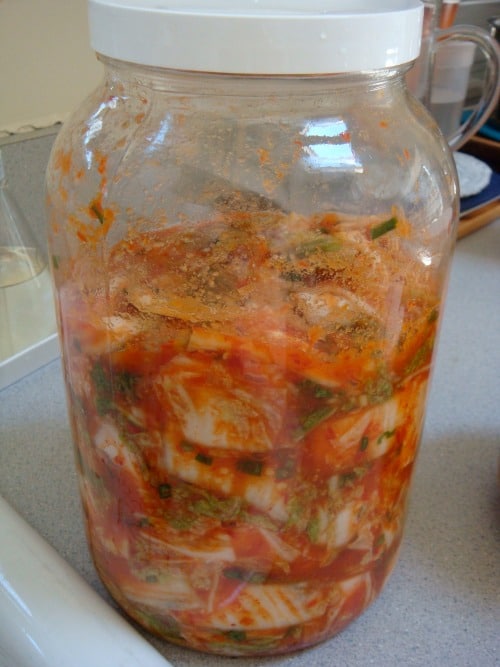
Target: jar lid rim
280	37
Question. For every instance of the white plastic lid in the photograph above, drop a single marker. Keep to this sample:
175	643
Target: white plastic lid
258	36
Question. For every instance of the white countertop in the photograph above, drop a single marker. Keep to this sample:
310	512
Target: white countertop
441	607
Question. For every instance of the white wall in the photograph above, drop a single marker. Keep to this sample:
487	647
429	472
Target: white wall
46	63
47	66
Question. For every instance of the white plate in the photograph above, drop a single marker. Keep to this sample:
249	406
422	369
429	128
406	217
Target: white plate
473	174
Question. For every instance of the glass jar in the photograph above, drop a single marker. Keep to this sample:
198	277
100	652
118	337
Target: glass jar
249	255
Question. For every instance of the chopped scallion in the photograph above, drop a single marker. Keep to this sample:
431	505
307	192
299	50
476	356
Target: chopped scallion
204	458
433	315
250	467
239	574
323	243
383	228
96	209
318	390
165	490
385	434
293	276
364	443
312	420
236	635
312	530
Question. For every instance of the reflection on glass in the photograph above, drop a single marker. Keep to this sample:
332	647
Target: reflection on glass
327	146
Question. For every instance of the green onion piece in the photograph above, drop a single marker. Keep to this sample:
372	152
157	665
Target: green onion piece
218	508
379	389
293	276
295	512
55	261
234	573
165	490
323	243
99	378
383	228
180	522
236	635
420	357
103	388
385	434
250	467
317	390
103	405
364	443
323	392
97	211
312	530
313	419
239	574
124	382
347	478
204	458
433	316
294	632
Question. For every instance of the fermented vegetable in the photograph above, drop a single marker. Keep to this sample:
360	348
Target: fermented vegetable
247	399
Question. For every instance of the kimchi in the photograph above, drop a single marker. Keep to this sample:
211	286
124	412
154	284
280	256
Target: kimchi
247	396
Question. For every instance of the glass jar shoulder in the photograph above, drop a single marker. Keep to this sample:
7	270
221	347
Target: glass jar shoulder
160	154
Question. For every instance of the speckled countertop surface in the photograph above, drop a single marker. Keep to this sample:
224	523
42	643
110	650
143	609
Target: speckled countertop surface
441	606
